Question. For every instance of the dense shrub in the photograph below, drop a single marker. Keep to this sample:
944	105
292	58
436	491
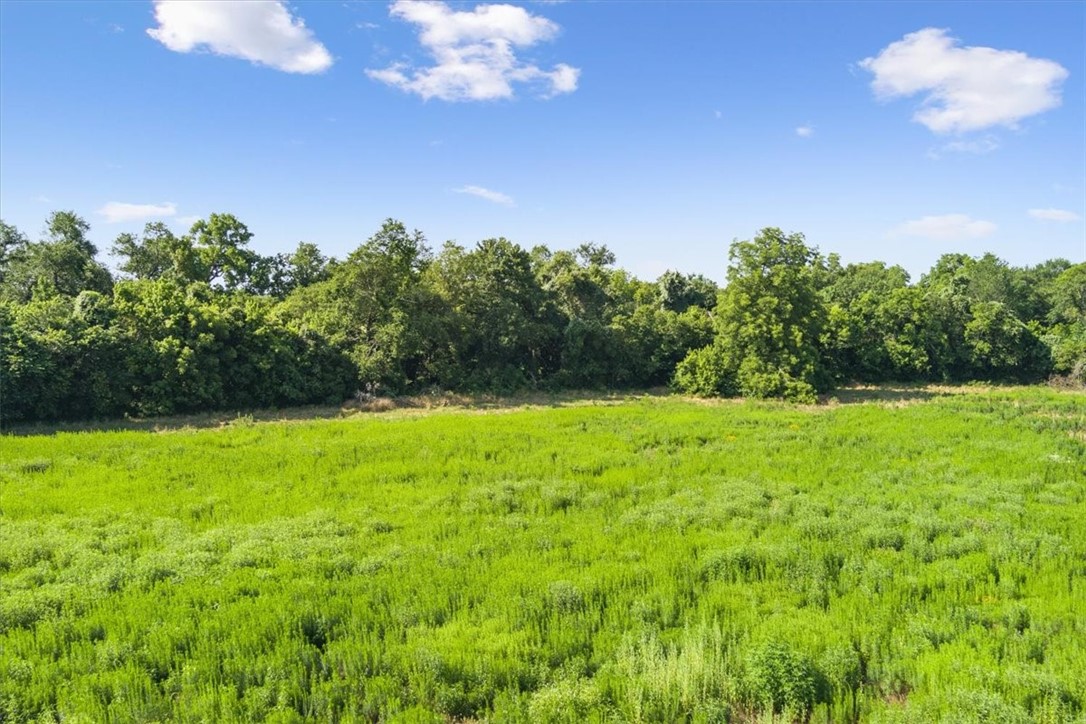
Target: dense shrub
705	372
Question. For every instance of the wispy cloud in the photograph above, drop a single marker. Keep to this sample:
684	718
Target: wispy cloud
948	227
976	146
474	53
1054	215
493	196
965	88
261	31
116	211
804	131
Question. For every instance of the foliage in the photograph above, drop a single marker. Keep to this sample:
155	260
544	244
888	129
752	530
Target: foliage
201	321
781	681
1001	346
705	372
654	341
155	254
370	307
770	320
497	316
679	292
61	264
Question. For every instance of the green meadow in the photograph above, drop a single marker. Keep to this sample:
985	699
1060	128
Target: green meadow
904	557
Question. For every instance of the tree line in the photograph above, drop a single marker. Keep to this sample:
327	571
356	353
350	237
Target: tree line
200	321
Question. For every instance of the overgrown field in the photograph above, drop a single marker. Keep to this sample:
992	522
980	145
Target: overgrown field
649	560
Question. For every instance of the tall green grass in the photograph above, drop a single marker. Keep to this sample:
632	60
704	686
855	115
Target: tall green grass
655	560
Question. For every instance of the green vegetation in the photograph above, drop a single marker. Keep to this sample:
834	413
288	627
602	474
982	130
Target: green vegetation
907	560
201	322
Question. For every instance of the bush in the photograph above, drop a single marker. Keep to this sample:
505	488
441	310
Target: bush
759	379
781	681
705	372
566	700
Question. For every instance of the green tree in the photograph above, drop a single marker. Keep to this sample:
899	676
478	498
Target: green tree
371	307
62	263
678	292
577	281
1036	284
771	318
13	244
987	317
157	253
35	347
877	326
1066	334
60	359
578	307
221	242
307	265
175	333
1068	296
651	342
1002	347
502	334
280	274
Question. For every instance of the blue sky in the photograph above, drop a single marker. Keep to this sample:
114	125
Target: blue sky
897	131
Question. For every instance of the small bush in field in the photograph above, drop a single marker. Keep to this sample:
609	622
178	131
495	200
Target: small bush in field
781	681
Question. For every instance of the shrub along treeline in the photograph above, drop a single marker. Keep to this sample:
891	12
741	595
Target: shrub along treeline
202	322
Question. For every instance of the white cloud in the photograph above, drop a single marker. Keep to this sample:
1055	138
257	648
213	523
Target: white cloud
804	131
718	115
494	196
978	146
116	211
965	88
474	53
261	31
948	227
1054	215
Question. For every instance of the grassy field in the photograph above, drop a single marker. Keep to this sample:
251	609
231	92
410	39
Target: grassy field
913	557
